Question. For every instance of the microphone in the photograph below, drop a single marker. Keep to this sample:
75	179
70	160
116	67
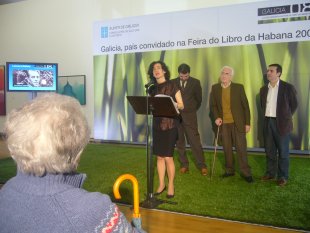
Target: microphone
149	84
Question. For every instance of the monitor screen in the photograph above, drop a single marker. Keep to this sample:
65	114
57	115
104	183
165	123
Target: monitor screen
31	76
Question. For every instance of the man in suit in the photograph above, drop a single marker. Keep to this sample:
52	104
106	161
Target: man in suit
278	102
230	109
192	96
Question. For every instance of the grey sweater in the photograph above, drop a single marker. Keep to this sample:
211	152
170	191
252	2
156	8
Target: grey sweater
57	203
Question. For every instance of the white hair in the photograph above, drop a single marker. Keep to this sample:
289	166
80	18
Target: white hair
228	67
47	134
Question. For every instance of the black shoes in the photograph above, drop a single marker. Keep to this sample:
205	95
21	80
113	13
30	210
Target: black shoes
227	175
170	196
158	193
249	179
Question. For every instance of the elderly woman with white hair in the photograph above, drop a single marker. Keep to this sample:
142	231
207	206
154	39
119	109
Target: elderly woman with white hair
46	138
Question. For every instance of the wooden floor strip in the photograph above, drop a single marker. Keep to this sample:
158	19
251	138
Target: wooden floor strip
158	221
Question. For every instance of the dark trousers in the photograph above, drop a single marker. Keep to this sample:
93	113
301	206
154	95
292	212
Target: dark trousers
276	144
230	137
189	129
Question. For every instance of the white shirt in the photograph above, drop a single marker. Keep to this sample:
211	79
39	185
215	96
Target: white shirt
185	82
226	85
271	104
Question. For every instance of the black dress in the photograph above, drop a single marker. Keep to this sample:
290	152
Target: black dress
165	131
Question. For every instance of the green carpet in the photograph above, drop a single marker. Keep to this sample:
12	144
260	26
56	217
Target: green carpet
230	198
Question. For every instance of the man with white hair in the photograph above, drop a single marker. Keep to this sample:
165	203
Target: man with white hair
230	109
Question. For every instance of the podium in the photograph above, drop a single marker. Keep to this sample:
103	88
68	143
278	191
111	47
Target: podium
157	107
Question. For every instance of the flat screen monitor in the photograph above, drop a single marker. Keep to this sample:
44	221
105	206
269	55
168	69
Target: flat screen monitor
31	76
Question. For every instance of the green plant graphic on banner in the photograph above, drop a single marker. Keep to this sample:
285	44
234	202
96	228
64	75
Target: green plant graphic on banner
121	75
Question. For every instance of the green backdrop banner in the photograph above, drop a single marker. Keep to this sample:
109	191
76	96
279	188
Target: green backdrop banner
119	75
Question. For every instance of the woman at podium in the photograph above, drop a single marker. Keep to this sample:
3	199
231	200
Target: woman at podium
165	132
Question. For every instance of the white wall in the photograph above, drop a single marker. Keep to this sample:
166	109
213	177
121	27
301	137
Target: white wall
61	31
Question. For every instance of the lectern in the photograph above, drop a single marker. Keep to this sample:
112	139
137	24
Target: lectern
157	107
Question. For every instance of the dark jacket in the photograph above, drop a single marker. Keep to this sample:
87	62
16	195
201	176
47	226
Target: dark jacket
238	103
286	105
191	95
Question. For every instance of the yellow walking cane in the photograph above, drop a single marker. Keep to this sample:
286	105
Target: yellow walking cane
136	219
